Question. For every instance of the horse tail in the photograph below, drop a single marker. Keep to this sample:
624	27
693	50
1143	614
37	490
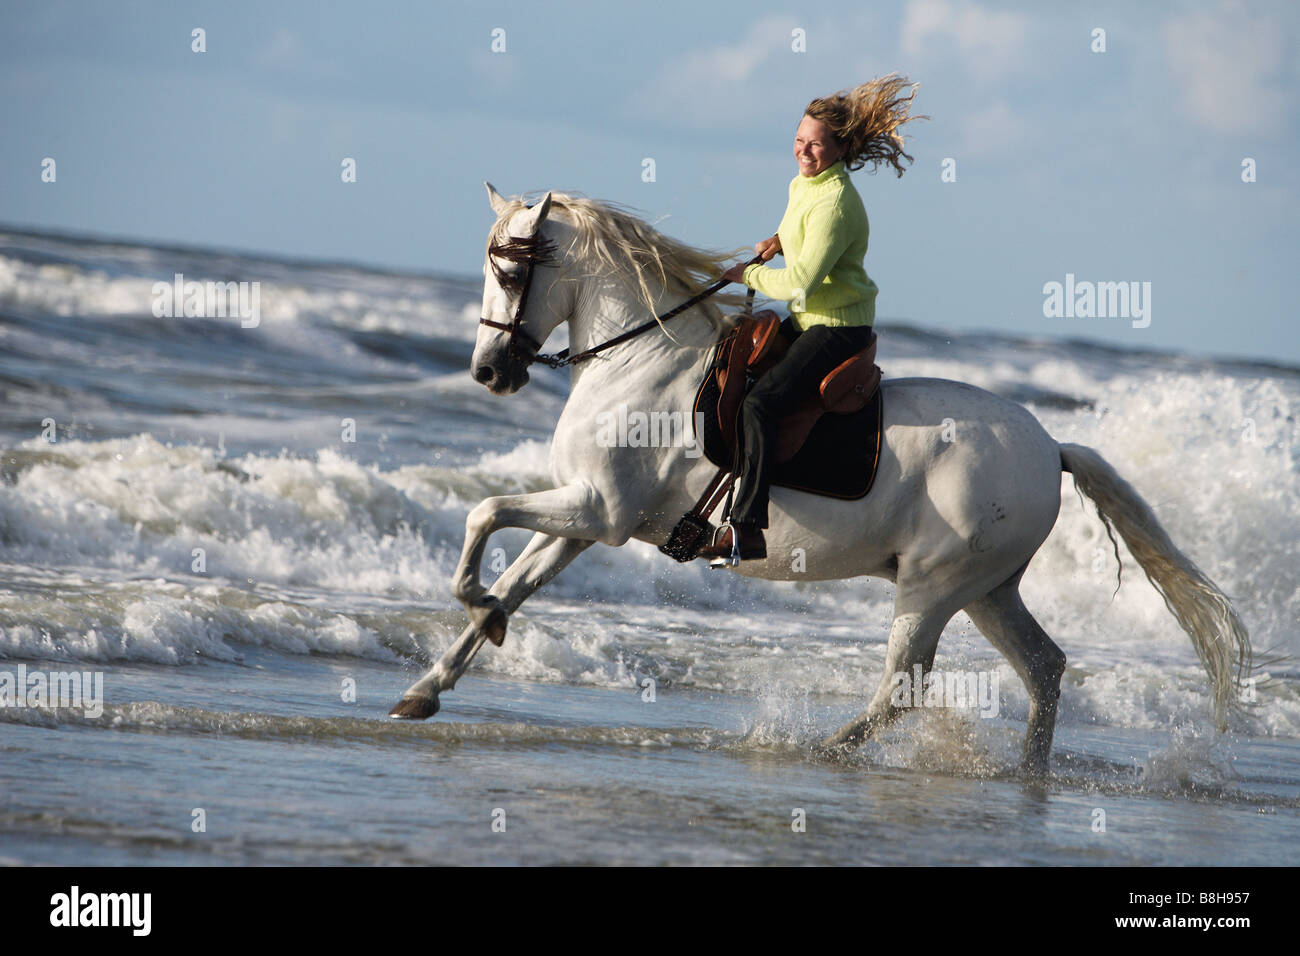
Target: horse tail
1202	610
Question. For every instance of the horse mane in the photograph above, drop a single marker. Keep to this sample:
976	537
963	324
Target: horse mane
615	237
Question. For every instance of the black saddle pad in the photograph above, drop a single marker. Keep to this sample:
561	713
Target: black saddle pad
838	460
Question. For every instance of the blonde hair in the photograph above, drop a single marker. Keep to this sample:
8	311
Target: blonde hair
866	119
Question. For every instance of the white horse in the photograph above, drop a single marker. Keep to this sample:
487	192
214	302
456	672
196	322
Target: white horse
953	523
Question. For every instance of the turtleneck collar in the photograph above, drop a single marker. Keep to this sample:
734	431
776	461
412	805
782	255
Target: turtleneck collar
834	171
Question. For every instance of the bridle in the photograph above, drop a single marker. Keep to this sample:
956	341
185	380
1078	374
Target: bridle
532	251
537	250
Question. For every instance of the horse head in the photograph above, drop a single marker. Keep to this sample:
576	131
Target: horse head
520	272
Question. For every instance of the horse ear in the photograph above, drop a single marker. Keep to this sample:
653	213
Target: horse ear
495	198
537	213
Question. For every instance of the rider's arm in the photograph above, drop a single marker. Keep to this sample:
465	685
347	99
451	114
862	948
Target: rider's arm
827	233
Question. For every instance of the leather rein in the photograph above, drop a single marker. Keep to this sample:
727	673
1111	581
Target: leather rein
534	251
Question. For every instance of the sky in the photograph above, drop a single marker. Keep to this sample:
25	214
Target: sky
1108	157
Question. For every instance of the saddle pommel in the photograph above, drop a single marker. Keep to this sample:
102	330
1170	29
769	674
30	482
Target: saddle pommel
767	345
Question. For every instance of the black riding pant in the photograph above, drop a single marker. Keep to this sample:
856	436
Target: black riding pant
812	355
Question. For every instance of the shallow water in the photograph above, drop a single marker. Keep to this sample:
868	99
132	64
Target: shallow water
287	773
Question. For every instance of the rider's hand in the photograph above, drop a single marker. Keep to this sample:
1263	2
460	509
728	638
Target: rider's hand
768	247
736	273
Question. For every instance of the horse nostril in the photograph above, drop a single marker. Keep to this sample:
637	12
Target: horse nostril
484	374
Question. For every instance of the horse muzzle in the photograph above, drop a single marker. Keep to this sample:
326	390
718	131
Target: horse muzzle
501	372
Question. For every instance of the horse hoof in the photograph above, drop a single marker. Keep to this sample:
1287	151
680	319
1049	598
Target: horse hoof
495	626
414	708
831	751
1035	771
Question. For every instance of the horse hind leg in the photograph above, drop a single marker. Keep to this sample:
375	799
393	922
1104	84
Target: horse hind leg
913	639
1002	617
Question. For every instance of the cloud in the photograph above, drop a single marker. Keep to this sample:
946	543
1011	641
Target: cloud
704	85
987	44
1227	64
732	84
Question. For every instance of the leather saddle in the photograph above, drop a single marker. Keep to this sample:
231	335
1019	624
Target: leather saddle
756	346
829	445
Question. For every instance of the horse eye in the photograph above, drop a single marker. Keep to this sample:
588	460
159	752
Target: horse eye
504	277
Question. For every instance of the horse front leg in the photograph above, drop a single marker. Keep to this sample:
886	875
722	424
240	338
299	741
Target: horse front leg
542	560
564	510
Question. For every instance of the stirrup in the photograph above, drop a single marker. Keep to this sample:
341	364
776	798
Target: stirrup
734	558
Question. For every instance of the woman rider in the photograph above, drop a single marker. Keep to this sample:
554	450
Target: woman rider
823	237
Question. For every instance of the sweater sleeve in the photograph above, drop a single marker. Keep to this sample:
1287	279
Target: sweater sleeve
826	235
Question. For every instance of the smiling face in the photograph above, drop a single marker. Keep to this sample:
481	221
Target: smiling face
815	148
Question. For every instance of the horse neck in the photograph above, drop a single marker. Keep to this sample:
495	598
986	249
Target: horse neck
652	361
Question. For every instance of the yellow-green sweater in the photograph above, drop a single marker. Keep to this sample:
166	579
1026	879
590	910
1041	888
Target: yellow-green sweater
824	240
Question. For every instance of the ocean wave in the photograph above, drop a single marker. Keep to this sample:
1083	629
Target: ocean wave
411	305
